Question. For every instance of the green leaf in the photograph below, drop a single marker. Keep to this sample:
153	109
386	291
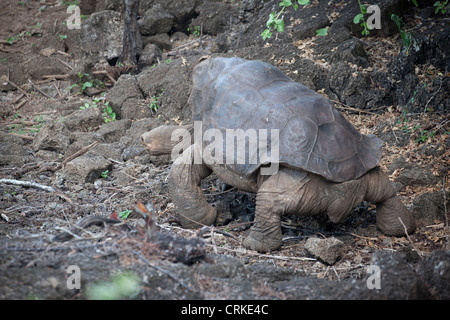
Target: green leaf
363	9
271	20
87	84
279	25
303	2
286	3
358	18
322	32
266	34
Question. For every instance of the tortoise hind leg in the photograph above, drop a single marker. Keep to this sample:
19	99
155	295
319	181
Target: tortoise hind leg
390	210
187	195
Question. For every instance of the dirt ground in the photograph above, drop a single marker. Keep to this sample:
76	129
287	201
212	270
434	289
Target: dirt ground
84	163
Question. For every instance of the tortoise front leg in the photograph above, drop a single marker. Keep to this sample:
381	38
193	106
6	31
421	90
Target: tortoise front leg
187	195
279	194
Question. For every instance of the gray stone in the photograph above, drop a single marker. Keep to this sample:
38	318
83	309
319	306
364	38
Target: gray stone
150	56
155	20
327	250
86	168
53	136
101	34
429	207
125	88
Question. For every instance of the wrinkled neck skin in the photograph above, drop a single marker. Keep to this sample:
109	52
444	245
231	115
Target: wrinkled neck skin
159	140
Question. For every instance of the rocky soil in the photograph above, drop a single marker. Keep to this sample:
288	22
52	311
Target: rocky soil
70	127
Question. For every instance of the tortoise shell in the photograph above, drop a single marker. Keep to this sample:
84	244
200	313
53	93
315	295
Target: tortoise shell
234	93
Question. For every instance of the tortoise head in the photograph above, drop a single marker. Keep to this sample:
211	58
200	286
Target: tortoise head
160	141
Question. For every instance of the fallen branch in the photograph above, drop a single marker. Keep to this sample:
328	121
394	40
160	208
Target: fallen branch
79	153
65	63
246	252
105	73
3	78
40	91
23	136
28	184
432	97
36	186
82	225
170	275
445	200
407	235
56	76
75	155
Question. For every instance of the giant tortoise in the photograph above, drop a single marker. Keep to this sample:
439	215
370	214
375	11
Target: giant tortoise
319	163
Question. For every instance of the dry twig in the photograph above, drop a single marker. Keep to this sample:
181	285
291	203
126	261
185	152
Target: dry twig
407	235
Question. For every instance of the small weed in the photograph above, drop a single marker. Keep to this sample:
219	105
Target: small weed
124	214
62	37
104	174
322	32
195	31
71	3
120	286
407	37
108	114
359	18
154	104
424	135
89	83
441	6
276	20
87	105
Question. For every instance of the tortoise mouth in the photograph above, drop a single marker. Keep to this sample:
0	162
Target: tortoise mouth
152	149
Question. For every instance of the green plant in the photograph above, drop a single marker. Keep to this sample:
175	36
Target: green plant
89	83
124	214
108	113
154	104
359	18
322	32
104	174
71	3
276	20
87	105
195	31
123	285
407	37
440	6
62	37
424	135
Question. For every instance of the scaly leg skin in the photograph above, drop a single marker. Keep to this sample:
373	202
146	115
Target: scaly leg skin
265	234
277	195
187	195
390	210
